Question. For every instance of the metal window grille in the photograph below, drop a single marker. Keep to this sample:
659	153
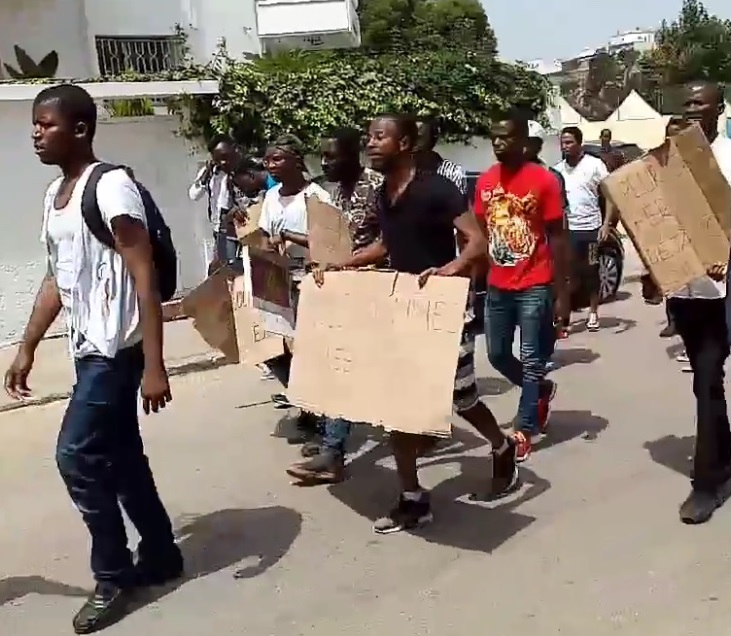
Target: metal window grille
144	55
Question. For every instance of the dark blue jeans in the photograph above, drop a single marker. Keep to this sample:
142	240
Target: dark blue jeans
335	434
101	459
227	247
531	310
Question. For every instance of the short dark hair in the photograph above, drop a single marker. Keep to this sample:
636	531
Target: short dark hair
405	124
433	129
575	132
74	104
605	131
350	140
518	118
219	139
719	90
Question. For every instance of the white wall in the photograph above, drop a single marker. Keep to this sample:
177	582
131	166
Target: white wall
42	26
162	162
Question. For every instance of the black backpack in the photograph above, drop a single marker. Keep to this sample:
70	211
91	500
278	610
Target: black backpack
163	250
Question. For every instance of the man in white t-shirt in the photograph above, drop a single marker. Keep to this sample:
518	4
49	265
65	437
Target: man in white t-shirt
699	315
214	179
582	175
114	314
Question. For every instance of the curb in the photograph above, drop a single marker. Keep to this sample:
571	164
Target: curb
186	366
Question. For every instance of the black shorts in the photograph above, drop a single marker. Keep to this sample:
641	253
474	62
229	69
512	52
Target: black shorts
585	257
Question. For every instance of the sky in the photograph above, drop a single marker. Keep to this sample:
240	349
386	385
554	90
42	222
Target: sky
557	29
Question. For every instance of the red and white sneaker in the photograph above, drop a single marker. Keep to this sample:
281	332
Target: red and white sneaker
523	446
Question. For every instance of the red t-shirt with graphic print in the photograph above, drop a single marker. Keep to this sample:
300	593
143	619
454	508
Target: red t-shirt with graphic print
517	206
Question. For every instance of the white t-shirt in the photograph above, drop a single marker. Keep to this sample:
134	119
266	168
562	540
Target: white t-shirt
96	289
582	191
706	287
220	198
289	213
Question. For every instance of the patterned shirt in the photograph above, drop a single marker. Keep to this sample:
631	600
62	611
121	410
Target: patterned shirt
455	173
359	207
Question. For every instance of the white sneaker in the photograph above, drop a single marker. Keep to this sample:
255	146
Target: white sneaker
682	358
266	372
592	323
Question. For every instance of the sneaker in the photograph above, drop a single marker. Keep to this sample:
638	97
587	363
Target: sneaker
104	607
310	449
550	366
407	515
562	333
682	358
699	507
592	323
668	331
280	401
523	446
266	372
325	468
548	392
505	479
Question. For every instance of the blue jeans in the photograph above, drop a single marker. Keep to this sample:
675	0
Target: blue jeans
531	310
101	459
227	247
335	436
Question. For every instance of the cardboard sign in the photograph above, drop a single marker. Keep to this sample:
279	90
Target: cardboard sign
271	289
252	224
255	345
676	209
210	307
371	346
328	232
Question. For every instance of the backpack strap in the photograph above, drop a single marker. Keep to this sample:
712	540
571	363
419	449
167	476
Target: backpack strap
90	205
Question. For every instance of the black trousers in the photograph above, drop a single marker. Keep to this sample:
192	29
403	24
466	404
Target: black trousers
701	324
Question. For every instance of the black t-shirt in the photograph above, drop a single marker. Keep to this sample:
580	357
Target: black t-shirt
418	229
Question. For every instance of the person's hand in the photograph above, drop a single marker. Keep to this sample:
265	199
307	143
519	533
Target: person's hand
155	388
318	272
561	307
717	271
237	216
604	233
16	377
276	241
447	270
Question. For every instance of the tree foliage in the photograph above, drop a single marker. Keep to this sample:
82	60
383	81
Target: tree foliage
433	58
696	45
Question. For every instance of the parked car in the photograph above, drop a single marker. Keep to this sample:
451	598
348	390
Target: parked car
611	262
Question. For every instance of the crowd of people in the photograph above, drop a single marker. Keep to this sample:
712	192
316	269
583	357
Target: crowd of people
528	234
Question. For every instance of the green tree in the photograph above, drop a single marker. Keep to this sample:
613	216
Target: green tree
426	25
696	45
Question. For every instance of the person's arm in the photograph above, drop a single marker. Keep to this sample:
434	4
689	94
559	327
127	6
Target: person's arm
295	237
45	310
122	209
200	185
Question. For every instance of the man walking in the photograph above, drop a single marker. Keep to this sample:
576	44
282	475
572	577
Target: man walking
699	314
417	214
519	203
114	315
355	189
582	175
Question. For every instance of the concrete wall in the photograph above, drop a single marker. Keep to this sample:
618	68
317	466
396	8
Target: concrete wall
162	161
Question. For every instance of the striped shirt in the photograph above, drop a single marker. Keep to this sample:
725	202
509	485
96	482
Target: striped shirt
455	173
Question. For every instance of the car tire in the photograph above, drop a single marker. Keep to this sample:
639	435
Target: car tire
611	263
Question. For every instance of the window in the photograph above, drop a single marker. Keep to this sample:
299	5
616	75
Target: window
145	55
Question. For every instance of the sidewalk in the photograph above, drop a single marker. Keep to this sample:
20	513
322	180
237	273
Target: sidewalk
53	376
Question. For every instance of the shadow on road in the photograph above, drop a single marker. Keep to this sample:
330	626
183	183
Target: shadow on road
371	489
577	355
674	350
673	452
16	587
493	386
619	325
567	425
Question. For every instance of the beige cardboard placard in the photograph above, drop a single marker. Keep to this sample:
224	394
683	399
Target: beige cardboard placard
255	345
672	219
252	224
371	346
328	232
271	288
211	308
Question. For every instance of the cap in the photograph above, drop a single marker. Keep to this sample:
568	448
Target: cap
536	131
